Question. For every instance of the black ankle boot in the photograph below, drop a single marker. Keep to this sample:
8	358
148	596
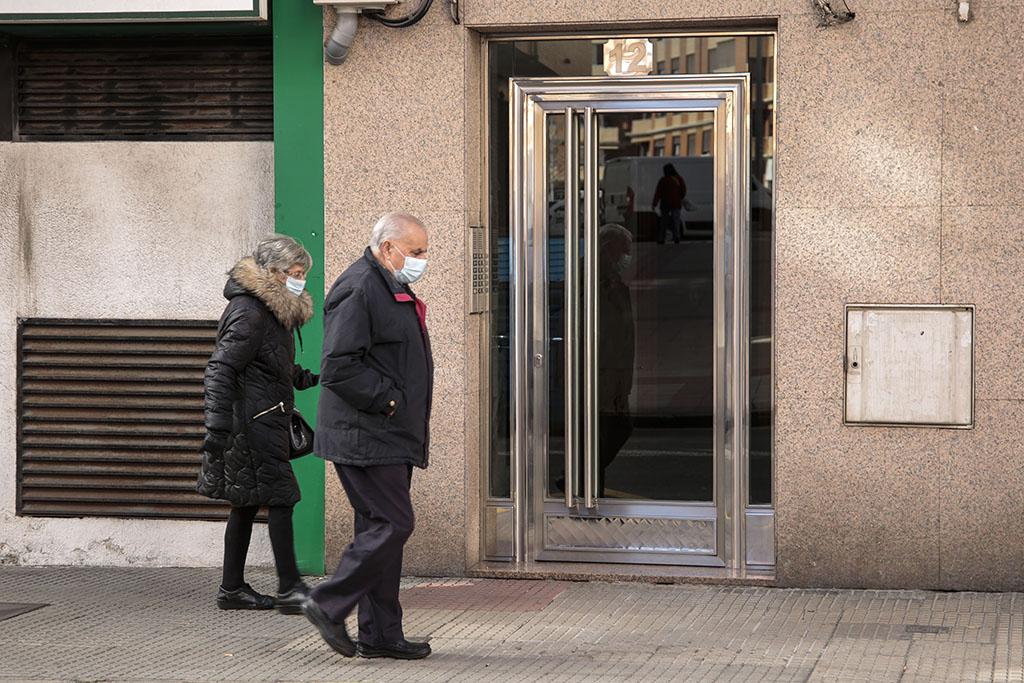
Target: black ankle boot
291	602
243	598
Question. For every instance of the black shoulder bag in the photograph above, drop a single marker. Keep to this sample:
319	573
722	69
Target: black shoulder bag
300	436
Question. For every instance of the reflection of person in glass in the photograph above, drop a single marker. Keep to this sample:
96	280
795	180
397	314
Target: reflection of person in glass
617	346
671	191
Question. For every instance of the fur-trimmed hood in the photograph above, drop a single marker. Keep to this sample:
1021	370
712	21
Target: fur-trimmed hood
248	278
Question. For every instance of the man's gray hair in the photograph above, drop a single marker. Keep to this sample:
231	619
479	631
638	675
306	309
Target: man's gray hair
392	226
281	252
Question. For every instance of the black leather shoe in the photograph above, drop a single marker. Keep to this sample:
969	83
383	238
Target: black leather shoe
335	634
291	602
243	598
402	649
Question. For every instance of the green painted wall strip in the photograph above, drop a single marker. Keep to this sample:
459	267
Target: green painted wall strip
299	212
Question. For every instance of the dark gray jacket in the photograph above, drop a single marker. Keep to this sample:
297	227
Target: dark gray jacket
377	373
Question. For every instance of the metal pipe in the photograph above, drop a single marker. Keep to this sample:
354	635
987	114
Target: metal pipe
590	359
572	358
336	47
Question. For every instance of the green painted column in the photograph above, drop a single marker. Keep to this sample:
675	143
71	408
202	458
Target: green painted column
299	212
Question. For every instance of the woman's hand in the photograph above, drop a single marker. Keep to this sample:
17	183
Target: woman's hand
303	378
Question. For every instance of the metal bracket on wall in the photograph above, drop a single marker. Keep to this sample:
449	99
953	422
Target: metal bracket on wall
827	16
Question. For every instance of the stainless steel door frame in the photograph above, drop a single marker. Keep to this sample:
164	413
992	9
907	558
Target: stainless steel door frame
724	521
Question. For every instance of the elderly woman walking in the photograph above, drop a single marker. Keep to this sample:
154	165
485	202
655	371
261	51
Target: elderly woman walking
249	400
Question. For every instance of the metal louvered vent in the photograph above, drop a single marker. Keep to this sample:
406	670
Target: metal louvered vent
149	88
110	418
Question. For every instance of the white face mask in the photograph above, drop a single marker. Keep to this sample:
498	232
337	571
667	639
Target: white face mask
623	262
294	285
411	271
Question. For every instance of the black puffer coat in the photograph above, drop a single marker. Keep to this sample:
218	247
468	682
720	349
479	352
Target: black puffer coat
253	371
378	373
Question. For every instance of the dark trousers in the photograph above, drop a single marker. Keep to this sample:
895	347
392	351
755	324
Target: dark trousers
671	221
371	566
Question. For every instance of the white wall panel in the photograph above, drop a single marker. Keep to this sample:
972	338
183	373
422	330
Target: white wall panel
910	365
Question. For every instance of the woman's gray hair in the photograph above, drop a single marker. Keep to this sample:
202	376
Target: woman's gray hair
281	252
391	226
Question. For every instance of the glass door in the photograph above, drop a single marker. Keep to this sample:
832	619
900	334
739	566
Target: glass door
628	358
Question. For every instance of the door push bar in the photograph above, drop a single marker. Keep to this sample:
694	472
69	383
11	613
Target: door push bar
572	243
591	244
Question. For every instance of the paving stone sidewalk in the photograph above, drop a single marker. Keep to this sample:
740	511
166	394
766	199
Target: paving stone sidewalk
135	624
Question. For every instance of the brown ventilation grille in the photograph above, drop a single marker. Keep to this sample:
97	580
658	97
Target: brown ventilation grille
110	418
152	88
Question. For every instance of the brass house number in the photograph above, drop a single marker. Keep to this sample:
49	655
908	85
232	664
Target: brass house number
628	57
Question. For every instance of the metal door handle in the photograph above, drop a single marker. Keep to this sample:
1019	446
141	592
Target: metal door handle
590	263
590	313
572	361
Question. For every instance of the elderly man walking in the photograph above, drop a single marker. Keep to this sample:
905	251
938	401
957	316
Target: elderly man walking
372	423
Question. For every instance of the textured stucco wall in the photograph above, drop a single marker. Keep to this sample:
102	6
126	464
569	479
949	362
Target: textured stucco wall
898	181
119	230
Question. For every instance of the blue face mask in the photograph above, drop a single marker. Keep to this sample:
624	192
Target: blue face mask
294	285
412	270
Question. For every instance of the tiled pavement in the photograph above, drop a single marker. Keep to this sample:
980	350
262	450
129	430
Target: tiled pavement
161	624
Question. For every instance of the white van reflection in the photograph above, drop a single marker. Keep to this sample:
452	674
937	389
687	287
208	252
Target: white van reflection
628	185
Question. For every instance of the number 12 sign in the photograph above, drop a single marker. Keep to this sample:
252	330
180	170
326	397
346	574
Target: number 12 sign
628	57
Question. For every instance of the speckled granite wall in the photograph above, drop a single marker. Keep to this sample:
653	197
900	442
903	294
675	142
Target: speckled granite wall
898	180
395	138
899	152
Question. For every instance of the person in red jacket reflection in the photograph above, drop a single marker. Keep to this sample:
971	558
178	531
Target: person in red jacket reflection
670	193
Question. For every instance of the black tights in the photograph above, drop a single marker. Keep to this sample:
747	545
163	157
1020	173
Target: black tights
236	546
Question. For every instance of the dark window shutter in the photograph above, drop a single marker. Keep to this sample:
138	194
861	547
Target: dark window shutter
144	88
110	418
